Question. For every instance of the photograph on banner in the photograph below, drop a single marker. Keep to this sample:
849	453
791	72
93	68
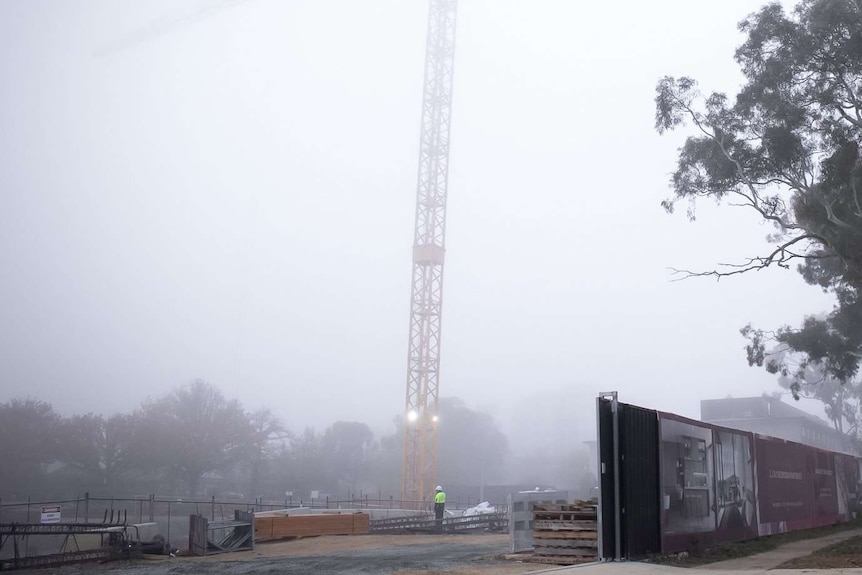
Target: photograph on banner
686	477
707	483
736	502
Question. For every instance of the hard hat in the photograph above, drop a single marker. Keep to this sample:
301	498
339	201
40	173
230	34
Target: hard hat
438	488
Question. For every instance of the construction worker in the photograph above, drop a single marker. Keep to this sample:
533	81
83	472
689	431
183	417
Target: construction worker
439	504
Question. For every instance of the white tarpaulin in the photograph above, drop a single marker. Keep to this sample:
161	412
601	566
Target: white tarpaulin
481	509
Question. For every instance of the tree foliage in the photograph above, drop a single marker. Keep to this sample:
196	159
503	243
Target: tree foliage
841	400
788	148
266	433
472	448
100	450
197	431
195	442
304	463
28	444
348	445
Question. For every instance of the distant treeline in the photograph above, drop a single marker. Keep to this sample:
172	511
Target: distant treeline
195	442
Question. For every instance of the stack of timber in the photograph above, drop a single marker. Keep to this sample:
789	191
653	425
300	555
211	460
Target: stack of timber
275	527
565	534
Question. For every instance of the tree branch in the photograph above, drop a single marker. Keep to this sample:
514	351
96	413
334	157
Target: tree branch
849	118
780	256
830	215
856	198
750	185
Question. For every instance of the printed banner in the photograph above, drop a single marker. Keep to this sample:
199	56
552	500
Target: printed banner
799	487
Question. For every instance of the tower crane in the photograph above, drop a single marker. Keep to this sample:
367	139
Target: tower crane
419	467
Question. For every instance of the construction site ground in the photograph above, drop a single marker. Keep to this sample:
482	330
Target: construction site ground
814	555
842	553
456	554
461	554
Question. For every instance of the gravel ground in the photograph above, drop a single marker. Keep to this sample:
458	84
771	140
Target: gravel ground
393	554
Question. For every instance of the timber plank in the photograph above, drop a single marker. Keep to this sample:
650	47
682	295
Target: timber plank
554	552
566	525
565	508
360	523
558	518
561	560
567	544
565	535
263	528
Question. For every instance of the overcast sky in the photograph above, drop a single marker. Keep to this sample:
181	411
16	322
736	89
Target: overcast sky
225	190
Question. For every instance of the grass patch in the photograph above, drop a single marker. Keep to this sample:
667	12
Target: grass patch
844	554
725	551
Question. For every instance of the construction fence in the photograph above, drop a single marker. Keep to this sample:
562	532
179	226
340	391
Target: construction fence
172	514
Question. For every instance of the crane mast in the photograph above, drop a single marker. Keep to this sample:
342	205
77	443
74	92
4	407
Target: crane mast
419	467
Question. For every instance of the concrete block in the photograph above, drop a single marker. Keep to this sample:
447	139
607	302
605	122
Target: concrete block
521	515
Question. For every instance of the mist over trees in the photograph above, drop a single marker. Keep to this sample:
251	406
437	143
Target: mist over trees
787	147
29	429
194	442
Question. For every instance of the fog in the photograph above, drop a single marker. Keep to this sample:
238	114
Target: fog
225	190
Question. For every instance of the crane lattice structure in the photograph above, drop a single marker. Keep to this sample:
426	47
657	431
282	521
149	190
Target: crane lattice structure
419	468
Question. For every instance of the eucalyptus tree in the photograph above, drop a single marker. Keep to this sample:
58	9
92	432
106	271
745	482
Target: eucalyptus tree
787	147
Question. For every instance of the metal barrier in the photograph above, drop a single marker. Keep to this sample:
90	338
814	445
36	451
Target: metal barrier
110	537
428	524
172	513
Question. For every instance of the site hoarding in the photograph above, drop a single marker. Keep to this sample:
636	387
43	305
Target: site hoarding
720	484
708	484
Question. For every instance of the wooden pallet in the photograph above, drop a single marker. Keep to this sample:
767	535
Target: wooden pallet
561	560
567	508
564	512
563	525
573	548
579	534
565	534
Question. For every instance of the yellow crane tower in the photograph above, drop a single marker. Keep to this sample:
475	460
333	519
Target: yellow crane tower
419	468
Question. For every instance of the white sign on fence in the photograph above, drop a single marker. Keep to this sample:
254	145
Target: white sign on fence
50	514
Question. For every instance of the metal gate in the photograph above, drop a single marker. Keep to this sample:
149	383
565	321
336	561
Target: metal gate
629	500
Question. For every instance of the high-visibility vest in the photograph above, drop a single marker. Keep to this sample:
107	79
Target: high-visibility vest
440	497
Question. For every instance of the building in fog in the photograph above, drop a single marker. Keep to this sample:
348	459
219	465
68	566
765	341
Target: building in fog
770	416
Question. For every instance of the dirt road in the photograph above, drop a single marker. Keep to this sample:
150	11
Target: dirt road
360	555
